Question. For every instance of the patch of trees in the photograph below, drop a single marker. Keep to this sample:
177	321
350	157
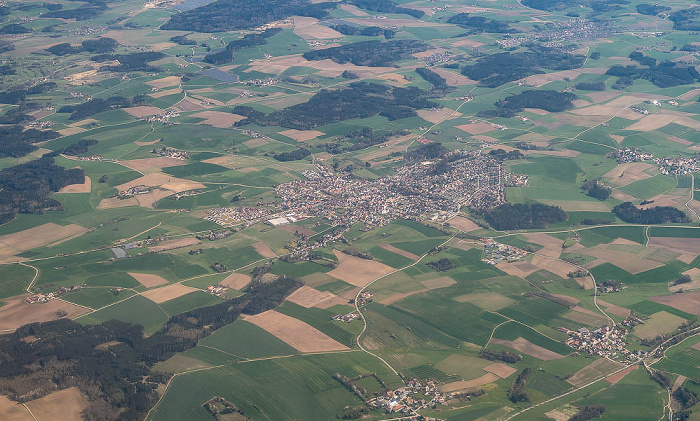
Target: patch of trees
117	380
295	155
523	216
17	96
14	29
63	49
131	62
642	59
684	279
497	69
17	142
86	12
505	356
478	24
78	148
651	9
665	74
686	19
433	78
442	265
99	105
430	150
16	115
367	31
588	412
596	189
26	188
248	41
347	74
517	392
226	15
690	48
686	398
359	100
100	45
502	155
369	53
547	100
386	6
359	139
590	86
183	40
656	215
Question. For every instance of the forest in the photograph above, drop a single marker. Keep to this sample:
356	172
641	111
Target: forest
651	9
497	69
590	86
249	40
628	212
386	6
367	31
131	62
478	24
523	216
686	19
433	78
358	100
100	45
117	380
17	142
547	100
295	155
359	139
85	12
228	15
26	188
369	53
99	105
664	75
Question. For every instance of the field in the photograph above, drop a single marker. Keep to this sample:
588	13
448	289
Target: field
246	340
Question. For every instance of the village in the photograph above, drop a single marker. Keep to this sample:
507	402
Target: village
495	252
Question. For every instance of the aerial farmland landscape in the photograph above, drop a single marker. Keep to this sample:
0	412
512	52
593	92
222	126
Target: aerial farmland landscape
243	210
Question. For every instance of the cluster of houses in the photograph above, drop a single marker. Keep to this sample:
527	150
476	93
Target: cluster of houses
217	290
495	252
364	298
410	398
41	298
172	153
605	342
347	318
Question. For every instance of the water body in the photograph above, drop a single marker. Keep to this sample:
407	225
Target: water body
193	4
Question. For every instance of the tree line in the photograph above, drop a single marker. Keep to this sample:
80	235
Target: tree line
100	45
248	41
372	53
523	216
628	212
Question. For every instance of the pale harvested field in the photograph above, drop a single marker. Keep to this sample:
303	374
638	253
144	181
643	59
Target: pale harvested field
165	82
83	122
356	271
565	153
167	293
149	200
297	334
42	235
309	297
621	375
660	323
468	384
571	301
164	181
694	274
63	405
84	187
148	165
464	224
236	281
409	23
696	346
688	122
143	111
476	128
437	283
520	269
13	411
452	78
615	309
254	143
628	173
166	92
148	280
353	10
438	116
467	42
188	105
399	296
327	67
603	96
490	301
398	79
581	120
652	122
297	229
631	262
404	253
687	301
552	245
301	135
501	370
175	243
264	250
686	246
218	119
671	200
115	202
71	131
309	28
543	79
527	347
16	312
557	267
620	195
689	95
592	371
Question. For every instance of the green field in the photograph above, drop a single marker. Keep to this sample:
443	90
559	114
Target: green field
245	340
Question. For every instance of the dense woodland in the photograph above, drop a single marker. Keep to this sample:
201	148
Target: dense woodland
100	45
359	100
664	75
99	105
26	188
131	62
84	12
497	69
17	142
651	9
478	24
227	15
523	216
547	100
656	215
369	53
386	6
590	86
596	189
295	155
435	79
366	31
359	139
117	379
686	19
